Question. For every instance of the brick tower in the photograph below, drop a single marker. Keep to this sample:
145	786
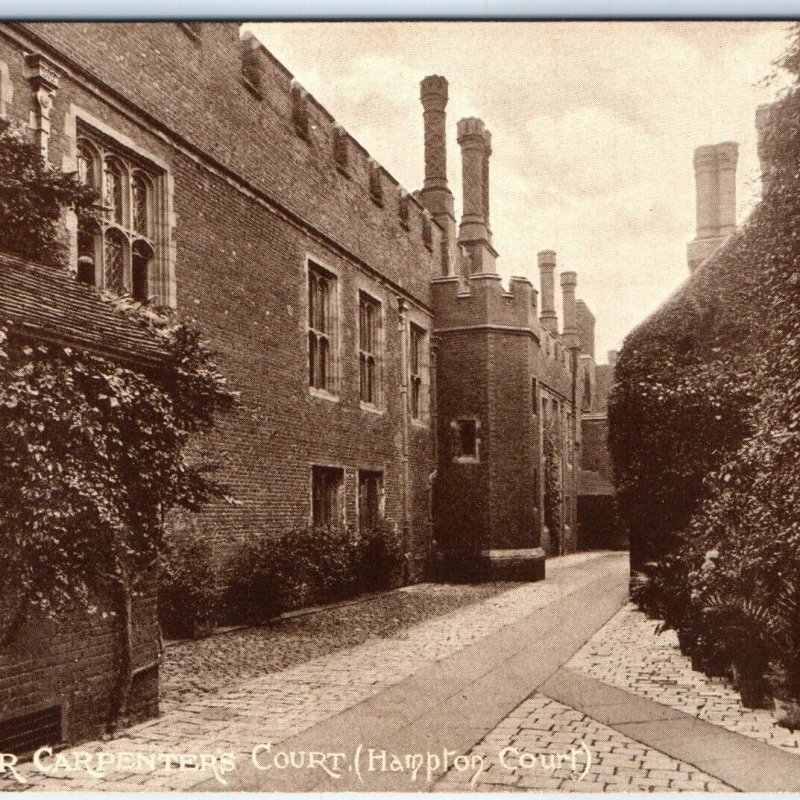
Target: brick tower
486	503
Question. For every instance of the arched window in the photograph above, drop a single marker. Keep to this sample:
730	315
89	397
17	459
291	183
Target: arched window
115	246
141	204
114	180
121	252
140	270
87	164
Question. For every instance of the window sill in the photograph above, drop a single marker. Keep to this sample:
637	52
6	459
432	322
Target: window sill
322	394
466	460
371	408
419	423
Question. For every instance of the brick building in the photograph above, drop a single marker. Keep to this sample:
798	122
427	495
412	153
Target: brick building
384	370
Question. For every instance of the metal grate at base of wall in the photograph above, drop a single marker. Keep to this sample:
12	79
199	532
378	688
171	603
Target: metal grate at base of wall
26	732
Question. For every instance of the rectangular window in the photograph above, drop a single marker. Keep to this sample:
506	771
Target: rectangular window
370	497
416	361
465	439
368	347
321	328
327	496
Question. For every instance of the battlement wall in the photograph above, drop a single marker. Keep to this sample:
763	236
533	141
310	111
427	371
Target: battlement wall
482	300
229	100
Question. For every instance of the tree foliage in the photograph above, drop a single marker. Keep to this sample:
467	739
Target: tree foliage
92	451
33	197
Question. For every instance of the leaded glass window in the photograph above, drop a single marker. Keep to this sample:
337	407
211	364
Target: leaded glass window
121	252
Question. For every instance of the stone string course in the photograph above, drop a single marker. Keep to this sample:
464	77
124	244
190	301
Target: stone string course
628	654
541	726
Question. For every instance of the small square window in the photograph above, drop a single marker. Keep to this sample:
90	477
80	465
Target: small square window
465	440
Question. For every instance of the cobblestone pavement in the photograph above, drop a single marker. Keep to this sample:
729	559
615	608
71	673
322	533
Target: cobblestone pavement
193	669
522	754
279	705
628	654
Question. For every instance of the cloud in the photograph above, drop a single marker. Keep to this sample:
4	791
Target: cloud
593	123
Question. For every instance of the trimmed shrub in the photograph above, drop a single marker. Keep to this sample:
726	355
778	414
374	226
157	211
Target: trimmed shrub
308	566
188	599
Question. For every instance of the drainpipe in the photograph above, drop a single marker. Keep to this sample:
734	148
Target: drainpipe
402	329
434	350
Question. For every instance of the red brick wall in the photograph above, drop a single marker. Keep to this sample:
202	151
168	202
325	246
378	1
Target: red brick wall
252	201
71	662
240	265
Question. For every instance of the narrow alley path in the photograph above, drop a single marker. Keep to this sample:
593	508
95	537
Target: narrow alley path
511	693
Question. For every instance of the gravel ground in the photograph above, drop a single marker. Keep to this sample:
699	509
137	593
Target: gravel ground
192	669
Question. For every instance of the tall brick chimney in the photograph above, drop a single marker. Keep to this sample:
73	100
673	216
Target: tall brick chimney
435	194
473	233
547	266
715	187
585	322
569	336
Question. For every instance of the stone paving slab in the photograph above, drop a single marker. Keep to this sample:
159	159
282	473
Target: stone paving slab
545	745
709	748
281	705
628	654
451	707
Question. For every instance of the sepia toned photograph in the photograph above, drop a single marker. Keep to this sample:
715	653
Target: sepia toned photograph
399	406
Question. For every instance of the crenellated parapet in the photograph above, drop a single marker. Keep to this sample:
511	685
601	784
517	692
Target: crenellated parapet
482	301
338	153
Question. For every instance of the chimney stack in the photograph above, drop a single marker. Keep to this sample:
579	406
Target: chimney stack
435	194
547	266
715	188
569	336
473	233
585	322
612	357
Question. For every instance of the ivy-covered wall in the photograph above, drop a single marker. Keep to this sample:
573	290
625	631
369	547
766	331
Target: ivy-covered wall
705	411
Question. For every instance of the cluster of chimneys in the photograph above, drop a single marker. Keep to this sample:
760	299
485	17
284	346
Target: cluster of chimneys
715	191
471	251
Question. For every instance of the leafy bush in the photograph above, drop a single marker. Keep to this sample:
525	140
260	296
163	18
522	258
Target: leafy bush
307	566
188	598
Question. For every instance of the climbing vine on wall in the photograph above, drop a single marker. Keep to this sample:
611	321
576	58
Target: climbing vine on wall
552	483
704	416
92	452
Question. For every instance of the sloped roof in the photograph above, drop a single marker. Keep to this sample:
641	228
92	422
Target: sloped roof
48	303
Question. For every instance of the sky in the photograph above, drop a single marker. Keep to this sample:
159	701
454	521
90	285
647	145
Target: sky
594	126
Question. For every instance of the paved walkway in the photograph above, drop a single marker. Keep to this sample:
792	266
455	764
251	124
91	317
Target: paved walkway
486	698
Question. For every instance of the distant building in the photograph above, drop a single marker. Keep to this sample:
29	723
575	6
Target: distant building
385	371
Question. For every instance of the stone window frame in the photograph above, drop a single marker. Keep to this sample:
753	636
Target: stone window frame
321	471
421	378
377	404
456	427
162	285
314	264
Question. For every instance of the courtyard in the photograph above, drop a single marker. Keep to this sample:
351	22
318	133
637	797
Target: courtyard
556	685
